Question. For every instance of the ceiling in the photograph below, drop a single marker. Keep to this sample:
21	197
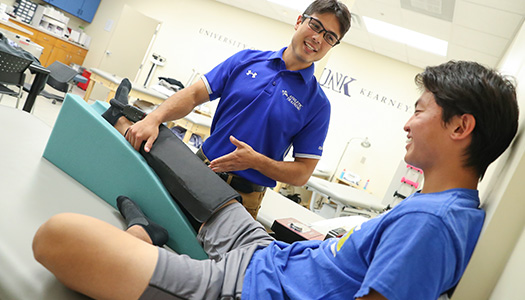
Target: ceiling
479	30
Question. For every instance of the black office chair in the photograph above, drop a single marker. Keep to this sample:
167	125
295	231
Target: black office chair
61	78
12	68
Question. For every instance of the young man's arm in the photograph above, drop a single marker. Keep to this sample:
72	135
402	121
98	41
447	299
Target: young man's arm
175	107
244	157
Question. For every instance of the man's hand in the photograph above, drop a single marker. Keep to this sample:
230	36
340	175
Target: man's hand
240	159
244	157
175	107
145	130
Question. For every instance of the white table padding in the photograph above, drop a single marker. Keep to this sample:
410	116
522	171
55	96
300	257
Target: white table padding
276	206
344	195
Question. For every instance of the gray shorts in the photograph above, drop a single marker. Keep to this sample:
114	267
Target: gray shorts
230	237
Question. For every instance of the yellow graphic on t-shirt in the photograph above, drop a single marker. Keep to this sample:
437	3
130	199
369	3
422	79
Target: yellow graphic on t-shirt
344	238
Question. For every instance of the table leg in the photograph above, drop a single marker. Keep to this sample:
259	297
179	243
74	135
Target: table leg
111	95
313	200
187	136
36	87
338	210
89	89
278	186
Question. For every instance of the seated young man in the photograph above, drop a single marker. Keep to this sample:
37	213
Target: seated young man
466	117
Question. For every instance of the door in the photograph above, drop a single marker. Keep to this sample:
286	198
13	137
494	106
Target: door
129	43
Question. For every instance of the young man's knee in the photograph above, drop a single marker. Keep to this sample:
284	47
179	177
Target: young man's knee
47	238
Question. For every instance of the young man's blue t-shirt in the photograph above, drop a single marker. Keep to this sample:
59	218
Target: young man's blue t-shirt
268	107
418	250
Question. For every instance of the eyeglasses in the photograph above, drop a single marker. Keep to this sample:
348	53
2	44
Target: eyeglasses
316	25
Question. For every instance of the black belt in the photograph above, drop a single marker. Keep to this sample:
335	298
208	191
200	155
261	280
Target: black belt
238	183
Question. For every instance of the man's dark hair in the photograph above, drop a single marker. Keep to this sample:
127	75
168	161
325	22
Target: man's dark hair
335	7
469	88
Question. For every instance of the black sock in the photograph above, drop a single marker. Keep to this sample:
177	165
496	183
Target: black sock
114	112
121	95
134	216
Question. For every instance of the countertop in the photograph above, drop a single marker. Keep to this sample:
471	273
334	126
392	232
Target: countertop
17	27
15	22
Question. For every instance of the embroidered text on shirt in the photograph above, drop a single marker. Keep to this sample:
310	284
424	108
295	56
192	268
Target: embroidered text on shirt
292	100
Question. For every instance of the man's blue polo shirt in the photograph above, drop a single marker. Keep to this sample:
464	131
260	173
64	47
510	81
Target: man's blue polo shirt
266	106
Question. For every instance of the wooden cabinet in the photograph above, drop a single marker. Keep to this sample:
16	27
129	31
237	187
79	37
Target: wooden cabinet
47	42
60	52
67	53
64	52
78	55
84	9
55	48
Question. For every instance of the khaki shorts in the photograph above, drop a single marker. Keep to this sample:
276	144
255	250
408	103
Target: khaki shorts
252	202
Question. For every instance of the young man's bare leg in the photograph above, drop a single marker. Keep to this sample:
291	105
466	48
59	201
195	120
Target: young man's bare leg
94	257
139	232
122	125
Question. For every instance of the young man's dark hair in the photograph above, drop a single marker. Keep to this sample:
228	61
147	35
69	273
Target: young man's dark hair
461	87
339	9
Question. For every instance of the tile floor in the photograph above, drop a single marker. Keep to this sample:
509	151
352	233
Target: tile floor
43	109
46	111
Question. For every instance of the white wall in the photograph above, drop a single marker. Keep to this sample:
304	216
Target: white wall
199	34
182	42
510	285
186	48
490	272
381	97
194	34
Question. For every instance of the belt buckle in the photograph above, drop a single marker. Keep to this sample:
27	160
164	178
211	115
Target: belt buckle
242	185
223	175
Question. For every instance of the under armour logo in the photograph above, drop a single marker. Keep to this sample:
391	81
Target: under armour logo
251	73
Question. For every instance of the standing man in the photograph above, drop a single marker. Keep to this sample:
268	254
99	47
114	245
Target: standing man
269	102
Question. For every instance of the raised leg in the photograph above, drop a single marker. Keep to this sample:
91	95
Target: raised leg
191	183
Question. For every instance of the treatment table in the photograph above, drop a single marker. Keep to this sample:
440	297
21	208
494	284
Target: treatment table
345	197
31	191
112	82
